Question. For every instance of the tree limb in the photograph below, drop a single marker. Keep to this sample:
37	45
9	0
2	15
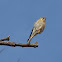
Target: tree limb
16	44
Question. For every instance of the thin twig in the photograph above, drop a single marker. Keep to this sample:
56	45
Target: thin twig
2	50
7	38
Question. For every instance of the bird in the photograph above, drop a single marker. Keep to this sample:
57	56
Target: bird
38	28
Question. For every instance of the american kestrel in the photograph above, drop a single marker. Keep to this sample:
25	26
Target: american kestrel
38	28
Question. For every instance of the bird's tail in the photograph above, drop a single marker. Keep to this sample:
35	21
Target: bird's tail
31	36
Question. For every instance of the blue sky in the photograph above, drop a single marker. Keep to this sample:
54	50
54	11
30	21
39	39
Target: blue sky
17	18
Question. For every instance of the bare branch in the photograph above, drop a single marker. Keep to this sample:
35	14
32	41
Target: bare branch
19	44
16	44
7	38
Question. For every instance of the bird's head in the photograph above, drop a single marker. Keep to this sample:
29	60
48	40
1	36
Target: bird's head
43	19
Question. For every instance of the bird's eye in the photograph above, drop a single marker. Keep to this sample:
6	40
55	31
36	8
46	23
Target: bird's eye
43	18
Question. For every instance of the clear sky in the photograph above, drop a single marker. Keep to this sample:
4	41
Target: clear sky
17	18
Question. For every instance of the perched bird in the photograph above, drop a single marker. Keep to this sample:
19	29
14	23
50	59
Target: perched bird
38	28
